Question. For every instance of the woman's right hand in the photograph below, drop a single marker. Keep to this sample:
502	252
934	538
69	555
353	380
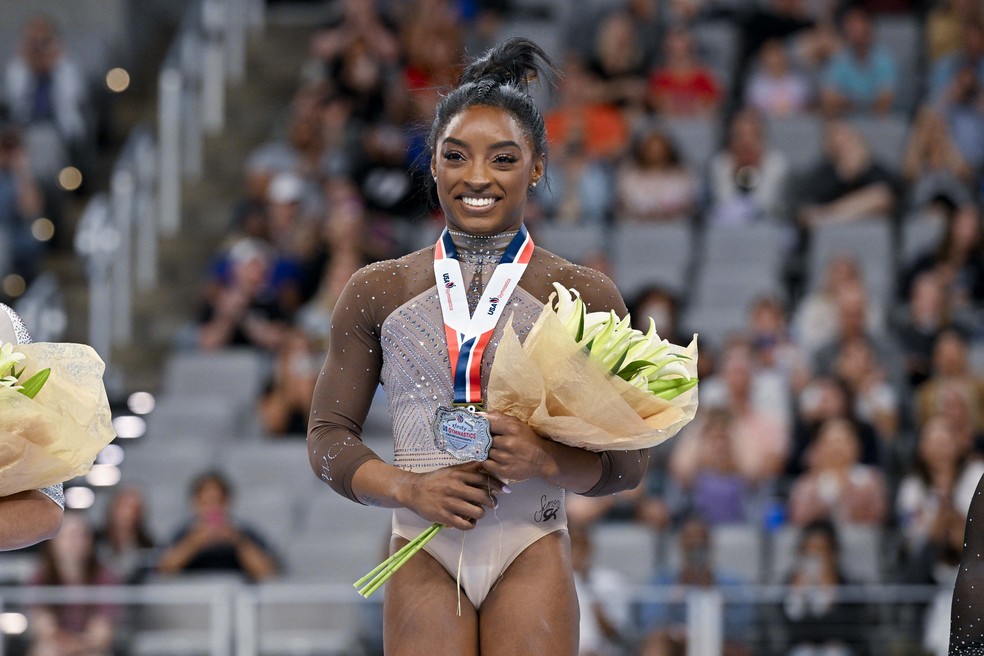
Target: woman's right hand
455	496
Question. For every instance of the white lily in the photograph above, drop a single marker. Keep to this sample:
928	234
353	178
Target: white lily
569	309
9	358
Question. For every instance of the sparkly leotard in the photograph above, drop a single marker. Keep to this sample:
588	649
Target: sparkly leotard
387	327
967	614
13	330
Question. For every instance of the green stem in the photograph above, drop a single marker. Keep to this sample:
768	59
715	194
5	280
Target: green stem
381	573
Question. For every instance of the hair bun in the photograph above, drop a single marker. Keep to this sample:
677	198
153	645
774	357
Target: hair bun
516	61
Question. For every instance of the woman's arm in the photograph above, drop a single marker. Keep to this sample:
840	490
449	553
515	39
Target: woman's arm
27	518
455	496
966	628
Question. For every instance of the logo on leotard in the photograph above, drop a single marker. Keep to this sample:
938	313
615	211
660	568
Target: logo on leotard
548	510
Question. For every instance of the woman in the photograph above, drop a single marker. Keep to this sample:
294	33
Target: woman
123	540
966	629
34	515
655	184
488	147
75	629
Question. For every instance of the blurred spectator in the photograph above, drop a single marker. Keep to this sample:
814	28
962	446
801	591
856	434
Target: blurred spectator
617	65
943	478
747	179
775	88
958	260
21	203
933	165
715	489
394	190
836	486
682	86
875	400
970	57
664	624
342	254
816	320
759	441
852	324
578	189
355	24
825	398
433	47
654	184
774	350
245	307
847	184
962	103
601	594
78	629
817	622
951	372
286	404
123	542
583	124
918	325
944	26
581	30
214	541
44	88
660	305
862	77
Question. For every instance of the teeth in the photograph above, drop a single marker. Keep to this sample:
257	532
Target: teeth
477	202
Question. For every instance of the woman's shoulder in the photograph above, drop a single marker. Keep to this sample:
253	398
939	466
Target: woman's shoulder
597	289
411	265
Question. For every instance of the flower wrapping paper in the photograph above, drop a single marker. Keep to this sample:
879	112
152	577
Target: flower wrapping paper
549	382
57	435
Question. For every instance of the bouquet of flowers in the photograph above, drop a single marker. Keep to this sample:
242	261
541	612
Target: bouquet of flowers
585	379
54	414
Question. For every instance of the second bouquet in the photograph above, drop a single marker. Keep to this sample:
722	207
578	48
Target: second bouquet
590	380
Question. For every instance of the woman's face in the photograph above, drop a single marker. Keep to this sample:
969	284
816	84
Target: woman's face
484	166
655	152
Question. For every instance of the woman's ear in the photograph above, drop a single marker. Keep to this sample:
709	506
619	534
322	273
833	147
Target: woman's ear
433	168
539	167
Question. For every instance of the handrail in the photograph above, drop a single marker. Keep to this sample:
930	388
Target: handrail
234	606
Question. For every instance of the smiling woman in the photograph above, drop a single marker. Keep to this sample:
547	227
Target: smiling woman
415	325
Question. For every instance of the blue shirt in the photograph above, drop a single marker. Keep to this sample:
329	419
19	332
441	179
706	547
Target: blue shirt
861	80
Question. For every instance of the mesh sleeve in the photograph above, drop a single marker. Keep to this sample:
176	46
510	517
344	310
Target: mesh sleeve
967	614
345	388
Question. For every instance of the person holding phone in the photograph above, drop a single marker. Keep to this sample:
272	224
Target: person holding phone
213	540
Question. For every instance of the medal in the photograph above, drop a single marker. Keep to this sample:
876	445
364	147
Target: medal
462	434
458	430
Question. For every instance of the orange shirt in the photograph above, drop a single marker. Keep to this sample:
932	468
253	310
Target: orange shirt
602	126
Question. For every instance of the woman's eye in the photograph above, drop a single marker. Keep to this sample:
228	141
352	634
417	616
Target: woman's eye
453	156
504	159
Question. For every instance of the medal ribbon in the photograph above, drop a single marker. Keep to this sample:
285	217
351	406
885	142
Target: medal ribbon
467	336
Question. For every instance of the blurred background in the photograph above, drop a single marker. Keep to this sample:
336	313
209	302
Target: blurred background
187	186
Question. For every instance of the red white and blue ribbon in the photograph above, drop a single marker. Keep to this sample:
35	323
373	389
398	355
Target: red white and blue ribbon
468	335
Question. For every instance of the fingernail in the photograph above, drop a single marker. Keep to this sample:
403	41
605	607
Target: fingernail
505	488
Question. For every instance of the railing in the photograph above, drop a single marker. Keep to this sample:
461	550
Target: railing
119	231
234	610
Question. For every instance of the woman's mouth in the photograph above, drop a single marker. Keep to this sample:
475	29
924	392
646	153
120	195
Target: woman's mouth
478	203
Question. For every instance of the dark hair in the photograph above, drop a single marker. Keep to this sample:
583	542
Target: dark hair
50	574
211	476
500	78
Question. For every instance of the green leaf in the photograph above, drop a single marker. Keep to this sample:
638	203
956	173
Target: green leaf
670	394
631	369
33	385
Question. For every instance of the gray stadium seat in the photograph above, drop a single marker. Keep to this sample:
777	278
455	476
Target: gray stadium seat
574	243
860	553
736	550
237	373
652	254
900	36
626	547
717	46
799	138
886	138
697	139
869	240
921	231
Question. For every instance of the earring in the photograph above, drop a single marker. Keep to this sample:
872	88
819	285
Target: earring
533	184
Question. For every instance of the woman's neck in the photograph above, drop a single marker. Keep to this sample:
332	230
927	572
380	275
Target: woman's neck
471	244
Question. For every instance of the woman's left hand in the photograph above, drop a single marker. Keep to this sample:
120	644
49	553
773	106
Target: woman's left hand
517	452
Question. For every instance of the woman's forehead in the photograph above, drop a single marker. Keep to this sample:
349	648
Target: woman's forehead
485	123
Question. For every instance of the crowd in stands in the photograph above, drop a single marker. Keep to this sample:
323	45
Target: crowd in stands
836	407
